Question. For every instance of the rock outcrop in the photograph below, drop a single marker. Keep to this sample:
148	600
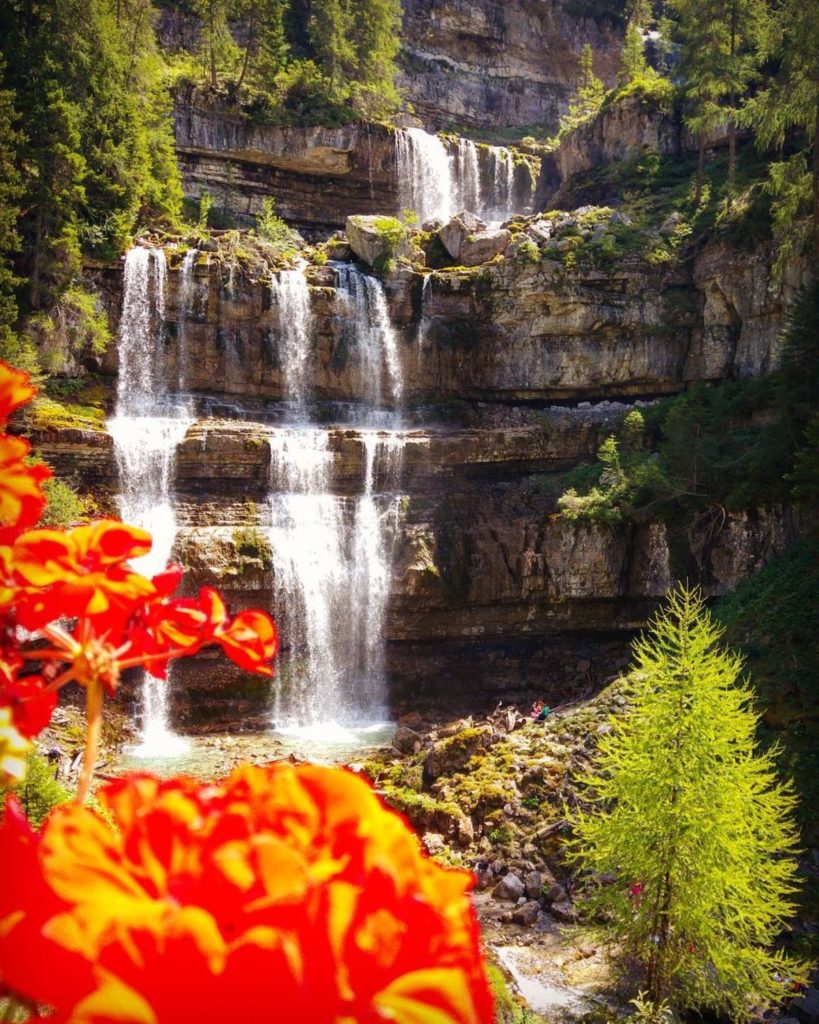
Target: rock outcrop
317	176
507	331
496	65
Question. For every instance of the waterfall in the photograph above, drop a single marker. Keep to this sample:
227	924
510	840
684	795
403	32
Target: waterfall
466	173
146	429
502	184
424	174
291	296
437	179
372	335
185	303
331	566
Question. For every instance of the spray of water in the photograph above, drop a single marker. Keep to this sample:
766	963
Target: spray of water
146	429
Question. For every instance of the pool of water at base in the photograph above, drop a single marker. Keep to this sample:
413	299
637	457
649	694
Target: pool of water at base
214	756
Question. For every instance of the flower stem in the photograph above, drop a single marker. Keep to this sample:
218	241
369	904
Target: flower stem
93	714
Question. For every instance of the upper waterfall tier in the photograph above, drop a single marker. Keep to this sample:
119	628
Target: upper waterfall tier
318	176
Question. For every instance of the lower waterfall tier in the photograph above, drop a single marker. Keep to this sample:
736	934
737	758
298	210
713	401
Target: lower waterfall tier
490	596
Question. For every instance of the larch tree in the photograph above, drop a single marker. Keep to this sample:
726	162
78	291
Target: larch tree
687	834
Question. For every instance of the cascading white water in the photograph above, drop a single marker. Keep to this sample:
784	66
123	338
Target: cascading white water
466	176
375	342
186	293
501	199
146	429
291	297
438	179
424	174
331	566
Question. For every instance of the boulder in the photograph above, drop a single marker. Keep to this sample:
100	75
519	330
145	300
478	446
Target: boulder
563	911
377	239
434	842
455	233
411	720
527	914
540	230
556	894
534	884
452	754
484	246
510	887
406	741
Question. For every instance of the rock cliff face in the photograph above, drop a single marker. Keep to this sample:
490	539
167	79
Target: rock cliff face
317	175
487	64
507	331
491	594
495	65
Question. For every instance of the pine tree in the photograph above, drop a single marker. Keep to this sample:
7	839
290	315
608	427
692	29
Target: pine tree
688	834
10	192
376	34
633	60
721	51
589	96
218	50
791	102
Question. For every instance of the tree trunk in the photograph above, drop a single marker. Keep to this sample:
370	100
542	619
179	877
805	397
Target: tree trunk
251	34
816	180
732	153
700	170
212	43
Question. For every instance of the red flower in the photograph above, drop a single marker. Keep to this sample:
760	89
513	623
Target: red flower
284	893
31	707
21	498
79	572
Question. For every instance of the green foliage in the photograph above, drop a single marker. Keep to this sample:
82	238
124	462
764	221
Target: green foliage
733	446
788	108
252	546
96	155
323	62
720	50
589	96
39	791
633	62
773	620
65	507
391	231
528	251
682	805
11	191
273	228
205	206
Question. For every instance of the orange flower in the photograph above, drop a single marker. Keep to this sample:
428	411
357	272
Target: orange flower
284	893
79	572
21	498
16	389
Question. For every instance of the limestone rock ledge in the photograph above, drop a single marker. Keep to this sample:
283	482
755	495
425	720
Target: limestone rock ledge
508	331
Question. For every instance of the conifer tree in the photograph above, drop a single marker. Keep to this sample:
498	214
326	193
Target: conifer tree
632	61
791	103
10	192
688	834
721	46
589	96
